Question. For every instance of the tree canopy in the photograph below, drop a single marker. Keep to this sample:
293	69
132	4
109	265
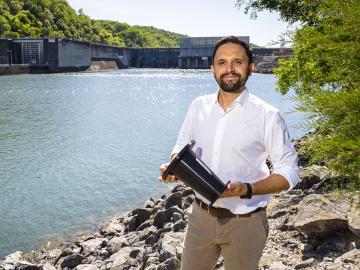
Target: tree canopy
324	72
43	18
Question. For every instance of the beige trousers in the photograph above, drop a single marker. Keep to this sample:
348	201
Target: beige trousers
240	240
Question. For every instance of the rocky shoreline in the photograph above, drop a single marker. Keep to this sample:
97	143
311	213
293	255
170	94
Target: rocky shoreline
308	230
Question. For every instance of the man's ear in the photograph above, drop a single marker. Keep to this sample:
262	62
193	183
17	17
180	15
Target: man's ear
251	68
212	69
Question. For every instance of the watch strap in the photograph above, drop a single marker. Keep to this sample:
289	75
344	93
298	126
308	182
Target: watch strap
249	192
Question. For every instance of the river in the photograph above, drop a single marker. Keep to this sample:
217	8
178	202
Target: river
77	148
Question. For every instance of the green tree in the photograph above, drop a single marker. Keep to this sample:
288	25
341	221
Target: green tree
324	72
41	18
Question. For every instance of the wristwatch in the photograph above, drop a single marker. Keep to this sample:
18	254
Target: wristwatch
249	192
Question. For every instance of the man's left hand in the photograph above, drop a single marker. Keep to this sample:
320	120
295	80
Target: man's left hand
234	189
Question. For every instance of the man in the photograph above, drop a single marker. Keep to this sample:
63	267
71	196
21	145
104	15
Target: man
235	132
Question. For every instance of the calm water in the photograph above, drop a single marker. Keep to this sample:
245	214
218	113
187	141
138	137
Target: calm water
78	148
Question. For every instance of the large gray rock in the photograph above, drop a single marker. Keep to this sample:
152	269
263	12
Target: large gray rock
48	266
351	259
354	216
11	260
143	214
187	192
116	243
178	188
87	267
179	225
28	266
149	204
312	175
137	217
120	257
72	261
169	264
112	228
152	230
319	217
174	199
171	245
164	216
305	264
93	245
144	225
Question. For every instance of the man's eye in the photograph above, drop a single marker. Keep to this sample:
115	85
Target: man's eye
221	63
238	62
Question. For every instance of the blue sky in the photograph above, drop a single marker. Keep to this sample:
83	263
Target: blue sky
189	17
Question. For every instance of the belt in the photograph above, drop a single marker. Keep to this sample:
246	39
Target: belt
223	212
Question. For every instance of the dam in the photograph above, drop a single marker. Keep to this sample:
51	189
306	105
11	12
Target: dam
50	55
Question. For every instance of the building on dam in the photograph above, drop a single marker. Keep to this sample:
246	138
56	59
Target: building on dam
31	55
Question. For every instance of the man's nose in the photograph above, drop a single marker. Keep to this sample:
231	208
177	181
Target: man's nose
230	67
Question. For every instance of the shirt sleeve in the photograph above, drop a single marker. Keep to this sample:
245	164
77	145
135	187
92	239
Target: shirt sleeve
186	131
281	150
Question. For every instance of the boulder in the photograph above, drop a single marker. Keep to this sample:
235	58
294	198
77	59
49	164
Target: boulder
120	257
149	204
169	264
278	266
305	264
28	266
178	188
139	216
87	267
71	261
354	217
319	217
187	202
151	240
171	245
152	230
131	223
350	258
175	199
112	228
130	238
93	245
143	214
179	225
116	243
162	217
12	259
48	266
144	225
312	175
187	192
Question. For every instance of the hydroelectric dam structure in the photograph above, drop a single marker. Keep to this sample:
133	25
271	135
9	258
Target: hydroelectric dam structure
51	55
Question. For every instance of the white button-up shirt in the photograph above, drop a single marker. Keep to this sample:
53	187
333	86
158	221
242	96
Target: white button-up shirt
235	144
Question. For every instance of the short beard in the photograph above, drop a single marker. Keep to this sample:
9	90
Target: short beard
232	87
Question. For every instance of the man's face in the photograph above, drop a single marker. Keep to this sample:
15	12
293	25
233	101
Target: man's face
231	67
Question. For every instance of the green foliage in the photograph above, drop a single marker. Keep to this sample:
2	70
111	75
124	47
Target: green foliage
42	18
324	72
290	10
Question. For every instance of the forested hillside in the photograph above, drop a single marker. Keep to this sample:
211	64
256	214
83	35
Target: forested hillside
44	18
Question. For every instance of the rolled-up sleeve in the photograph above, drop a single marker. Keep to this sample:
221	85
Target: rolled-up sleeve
281	150
186	131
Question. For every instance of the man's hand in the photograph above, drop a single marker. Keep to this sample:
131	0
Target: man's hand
234	189
170	178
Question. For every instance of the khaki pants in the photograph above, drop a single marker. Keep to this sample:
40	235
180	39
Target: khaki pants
240	240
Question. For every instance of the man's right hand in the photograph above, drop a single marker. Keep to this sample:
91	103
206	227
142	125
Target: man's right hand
170	178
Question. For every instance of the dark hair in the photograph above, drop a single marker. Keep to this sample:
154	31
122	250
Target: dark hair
235	40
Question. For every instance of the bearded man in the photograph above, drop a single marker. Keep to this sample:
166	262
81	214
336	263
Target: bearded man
235	132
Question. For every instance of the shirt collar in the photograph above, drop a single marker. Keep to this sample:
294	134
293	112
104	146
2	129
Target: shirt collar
240	100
